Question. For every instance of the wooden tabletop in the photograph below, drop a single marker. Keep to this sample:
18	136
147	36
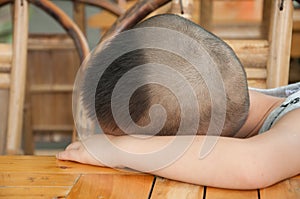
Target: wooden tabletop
45	177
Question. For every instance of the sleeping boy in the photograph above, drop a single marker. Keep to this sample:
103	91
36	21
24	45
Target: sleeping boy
258	136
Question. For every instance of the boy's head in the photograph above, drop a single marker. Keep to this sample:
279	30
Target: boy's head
144	97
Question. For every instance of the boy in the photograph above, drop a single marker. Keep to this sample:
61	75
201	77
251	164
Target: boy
269	125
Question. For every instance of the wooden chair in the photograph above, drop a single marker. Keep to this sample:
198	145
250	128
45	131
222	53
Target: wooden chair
266	60
12	81
5	67
77	33
266	54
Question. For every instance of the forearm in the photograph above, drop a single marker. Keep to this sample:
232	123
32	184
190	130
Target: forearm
222	167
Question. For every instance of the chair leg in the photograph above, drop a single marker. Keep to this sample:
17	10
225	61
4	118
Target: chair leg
280	44
28	141
18	77
3	118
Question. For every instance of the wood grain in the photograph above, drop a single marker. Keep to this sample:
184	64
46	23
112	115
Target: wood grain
280	35
51	82
289	189
4	81
33	192
295	51
214	193
46	42
112	187
46	177
169	189
18	78
79	16
50	165
37	179
257	83
256	73
4	94
5	57
252	53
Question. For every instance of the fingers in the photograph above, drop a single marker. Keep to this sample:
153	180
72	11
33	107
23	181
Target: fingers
74	146
71	152
78	153
67	155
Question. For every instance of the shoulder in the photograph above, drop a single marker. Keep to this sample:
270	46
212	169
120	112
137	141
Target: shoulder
290	104
288	122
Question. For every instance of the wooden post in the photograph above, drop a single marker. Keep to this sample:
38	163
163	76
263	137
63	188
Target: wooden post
265	24
206	13
79	16
3	118
280	43
18	77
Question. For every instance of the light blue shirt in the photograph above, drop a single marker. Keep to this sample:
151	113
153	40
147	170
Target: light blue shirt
292	102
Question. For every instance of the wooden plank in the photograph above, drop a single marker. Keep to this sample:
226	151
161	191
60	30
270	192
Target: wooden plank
265	26
48	128
287	189
48	88
18	78
101	20
280	44
33	192
296	19
79	15
50	42
295	51
112	186
4	80
5	54
5	57
3	118
214	193
50	165
256	73
37	179
257	83
169	189
206	14
252	53
237	31
53	106
5	67
52	110
105	19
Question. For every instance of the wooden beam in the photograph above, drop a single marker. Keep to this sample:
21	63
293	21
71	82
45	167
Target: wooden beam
79	16
18	77
280	43
50	88
4	80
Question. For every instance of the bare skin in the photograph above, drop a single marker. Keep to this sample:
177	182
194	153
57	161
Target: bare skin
254	162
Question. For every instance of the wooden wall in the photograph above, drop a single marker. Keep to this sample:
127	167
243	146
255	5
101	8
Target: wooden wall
52	66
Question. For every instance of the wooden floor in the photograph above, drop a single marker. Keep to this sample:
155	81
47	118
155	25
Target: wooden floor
45	177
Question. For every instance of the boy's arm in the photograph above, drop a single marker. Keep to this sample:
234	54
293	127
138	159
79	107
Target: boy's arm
233	163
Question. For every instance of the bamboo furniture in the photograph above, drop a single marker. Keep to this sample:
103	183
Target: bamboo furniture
76	32
50	90
13	76
265	54
46	177
266	60
5	68
295	52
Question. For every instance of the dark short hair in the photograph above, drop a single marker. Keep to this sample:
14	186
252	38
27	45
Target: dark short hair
231	70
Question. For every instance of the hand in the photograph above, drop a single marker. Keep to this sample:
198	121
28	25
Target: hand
78	153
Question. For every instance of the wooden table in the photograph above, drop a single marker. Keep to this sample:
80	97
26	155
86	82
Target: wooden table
45	177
